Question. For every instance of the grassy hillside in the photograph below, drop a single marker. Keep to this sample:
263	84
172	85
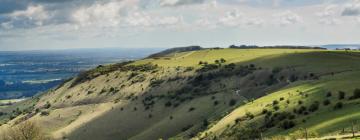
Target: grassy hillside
201	94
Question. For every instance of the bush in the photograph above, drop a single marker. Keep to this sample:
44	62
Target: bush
300	102
328	94
287	124
47	105
191	109
205	123
356	94
216	103
264	111
232	102
281	98
222	60
338	105
249	115
326	102
314	106
341	95
44	113
276	108
275	102
168	104
301	110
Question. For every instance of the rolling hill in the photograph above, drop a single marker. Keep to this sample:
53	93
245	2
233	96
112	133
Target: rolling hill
203	94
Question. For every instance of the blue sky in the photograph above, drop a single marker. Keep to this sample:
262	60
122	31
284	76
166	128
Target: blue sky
60	24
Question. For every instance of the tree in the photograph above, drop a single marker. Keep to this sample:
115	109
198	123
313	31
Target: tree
338	105
326	102
314	106
341	95
356	94
287	124
222	60
232	102
328	94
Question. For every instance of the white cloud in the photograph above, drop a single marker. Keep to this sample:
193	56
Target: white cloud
7	25
143	19
99	14
205	23
117	14
231	18
329	16
254	22
34	14
179	2
352	9
288	18
330	21
358	19
329	11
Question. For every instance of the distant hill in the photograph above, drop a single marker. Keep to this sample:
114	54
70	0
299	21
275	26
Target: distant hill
175	50
341	46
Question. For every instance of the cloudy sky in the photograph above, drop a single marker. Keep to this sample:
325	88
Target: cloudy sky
58	24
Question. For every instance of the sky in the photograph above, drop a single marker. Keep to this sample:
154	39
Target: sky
64	24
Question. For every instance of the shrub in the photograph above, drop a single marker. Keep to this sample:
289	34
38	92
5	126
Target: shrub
232	102
293	78
216	103
205	123
68	96
47	105
191	109
186	127
326	102
222	60
300	102
328	94
276	70
288	101
338	105
275	102
276	108
281	98
287	124
44	113
301	110
314	106
168	104
264	111
356	94
341	95
249	115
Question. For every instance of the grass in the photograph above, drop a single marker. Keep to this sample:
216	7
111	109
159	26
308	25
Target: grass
102	118
231	55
